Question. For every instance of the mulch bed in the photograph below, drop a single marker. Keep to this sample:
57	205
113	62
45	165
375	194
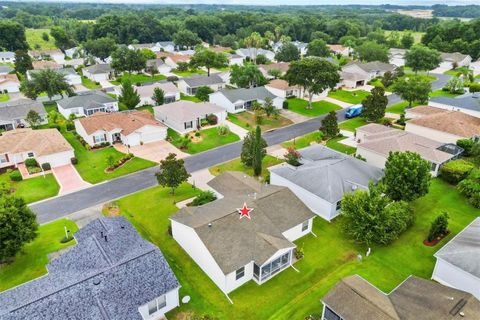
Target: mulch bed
436	240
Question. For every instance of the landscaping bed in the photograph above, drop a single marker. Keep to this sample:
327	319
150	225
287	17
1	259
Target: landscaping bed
318	108
32	189
237	165
246	120
303	141
202	140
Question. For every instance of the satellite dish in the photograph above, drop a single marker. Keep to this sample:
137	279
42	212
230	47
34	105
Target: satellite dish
186	299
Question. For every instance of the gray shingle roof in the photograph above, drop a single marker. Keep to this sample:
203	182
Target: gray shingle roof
64	71
183	111
234	242
463	251
18	109
87	100
467	101
99	68
95	279
5	69
453	56
329	174
373	66
247	94
7	55
354	298
203	80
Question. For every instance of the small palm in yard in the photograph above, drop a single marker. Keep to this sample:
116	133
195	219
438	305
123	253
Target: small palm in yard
172	172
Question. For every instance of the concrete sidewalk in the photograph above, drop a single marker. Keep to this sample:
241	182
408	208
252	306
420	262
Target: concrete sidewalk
239	131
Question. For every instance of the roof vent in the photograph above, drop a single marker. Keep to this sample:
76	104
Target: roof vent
209	225
462	314
96	282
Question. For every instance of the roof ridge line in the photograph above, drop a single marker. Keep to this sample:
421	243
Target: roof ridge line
105	255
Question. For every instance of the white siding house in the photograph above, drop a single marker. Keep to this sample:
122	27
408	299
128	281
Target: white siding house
189	86
86	104
239	100
98	72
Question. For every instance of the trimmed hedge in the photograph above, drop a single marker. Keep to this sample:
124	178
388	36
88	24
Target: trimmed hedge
31	162
466	145
46	166
16	176
455	171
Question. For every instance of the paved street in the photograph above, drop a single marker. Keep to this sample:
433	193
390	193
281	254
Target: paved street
55	208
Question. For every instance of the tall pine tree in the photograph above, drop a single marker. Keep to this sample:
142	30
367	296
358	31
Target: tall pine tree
257	153
129	96
330	125
374	105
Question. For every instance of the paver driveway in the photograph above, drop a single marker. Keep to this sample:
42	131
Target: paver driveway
153	151
68	179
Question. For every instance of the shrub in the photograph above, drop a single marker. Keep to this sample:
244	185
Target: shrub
455	171
15	176
46	166
204	123
31	162
470	188
203	92
299	254
474	87
212	119
466	144
74	160
285	104
292	157
223	130
203	198
438	227
70	126
197	134
54	126
172	78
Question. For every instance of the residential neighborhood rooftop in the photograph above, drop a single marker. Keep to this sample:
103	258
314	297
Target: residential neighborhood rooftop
6	69
280	84
108	274
181	111
246	94
41	142
329	174
87	100
453	57
354	298
18	109
4	78
7	55
40	65
453	122
373	66
463	251
148	90
234	242
99	68
282	66
128	122
469	101
202	80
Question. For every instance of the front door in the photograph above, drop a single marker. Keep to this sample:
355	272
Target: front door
116	137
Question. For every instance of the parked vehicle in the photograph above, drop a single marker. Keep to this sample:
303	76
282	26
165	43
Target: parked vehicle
354	111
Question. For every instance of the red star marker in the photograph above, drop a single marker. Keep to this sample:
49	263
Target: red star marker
245	211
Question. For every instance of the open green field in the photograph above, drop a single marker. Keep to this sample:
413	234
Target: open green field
353	97
33	189
138	78
318	108
208	139
92	163
416	35
246	120
35	40
237	165
328	258
30	263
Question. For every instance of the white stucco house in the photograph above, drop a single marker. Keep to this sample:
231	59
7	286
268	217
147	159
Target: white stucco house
86	104
52	54
454	60
252	53
129	128
376	141
239	100
190	85
159	65
7	57
170	91
71	76
323	177
442	125
233	249
110	273
458	262
185	116
355	74
9	83
13	113
282	89
44	145
235	59
397	56
98	72
340	49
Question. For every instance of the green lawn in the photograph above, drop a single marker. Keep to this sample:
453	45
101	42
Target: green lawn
92	164
209	139
147	107
352	124
188	73
458	71
328	258
138	78
237	165
376	83
90	84
417	36
303	141
353	97
30	263
318	107
442	93
4	97
335	144
34	39
189	98
33	189
246	120
399	108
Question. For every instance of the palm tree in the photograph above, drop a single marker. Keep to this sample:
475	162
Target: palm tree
253	42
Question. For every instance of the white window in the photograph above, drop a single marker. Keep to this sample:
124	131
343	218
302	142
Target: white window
157	304
240	273
3	158
99	138
305	225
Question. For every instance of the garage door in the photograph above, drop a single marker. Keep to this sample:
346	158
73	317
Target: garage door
152	136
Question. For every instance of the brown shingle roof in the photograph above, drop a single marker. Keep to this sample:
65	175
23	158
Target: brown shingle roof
282	66
426	110
39	65
41	142
280	84
180	57
127	121
453	122
9	78
336	47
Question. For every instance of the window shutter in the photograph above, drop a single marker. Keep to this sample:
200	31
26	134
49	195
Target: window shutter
94	139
